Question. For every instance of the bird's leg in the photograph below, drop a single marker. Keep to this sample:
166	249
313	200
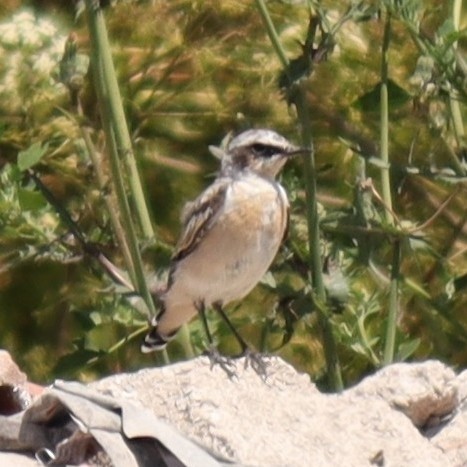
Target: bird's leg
255	359
202	314
244	346
212	352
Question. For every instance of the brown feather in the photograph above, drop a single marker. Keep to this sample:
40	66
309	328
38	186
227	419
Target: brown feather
198	216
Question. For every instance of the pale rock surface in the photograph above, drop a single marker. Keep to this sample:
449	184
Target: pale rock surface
423	391
14	390
286	421
412	415
14	397
10	374
15	459
451	436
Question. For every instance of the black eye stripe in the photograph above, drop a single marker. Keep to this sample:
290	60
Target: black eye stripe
264	150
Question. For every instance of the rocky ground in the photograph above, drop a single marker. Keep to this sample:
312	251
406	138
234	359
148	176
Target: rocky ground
405	415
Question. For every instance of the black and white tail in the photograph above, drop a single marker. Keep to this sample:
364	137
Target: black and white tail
154	340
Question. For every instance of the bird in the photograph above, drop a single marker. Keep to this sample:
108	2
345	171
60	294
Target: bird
230	235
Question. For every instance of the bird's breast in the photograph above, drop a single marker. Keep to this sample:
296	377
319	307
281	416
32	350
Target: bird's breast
239	247
255	211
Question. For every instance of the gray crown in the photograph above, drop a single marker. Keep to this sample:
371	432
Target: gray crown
260	136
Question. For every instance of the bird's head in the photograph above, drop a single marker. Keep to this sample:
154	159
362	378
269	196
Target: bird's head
263	152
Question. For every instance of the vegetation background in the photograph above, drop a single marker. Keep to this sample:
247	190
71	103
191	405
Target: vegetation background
189	73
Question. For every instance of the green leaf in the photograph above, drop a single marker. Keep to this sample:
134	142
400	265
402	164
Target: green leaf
423	71
30	200
69	364
31	156
406	349
370	101
336	285
269	280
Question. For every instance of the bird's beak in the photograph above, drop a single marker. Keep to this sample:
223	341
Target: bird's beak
298	151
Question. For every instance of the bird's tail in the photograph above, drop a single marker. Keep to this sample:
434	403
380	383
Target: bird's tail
155	340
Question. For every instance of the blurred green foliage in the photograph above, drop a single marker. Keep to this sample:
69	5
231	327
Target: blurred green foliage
190	72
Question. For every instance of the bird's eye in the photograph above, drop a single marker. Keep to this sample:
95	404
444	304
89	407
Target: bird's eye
263	150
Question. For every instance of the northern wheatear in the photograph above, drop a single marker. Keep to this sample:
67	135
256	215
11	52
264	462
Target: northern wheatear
230	235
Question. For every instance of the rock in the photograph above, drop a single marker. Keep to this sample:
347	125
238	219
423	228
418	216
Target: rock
451	434
423	391
13	459
14	395
287	421
407	414
10	374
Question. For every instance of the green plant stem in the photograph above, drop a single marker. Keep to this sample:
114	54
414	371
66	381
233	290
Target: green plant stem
141	330
427	48
329	344
456	117
384	123
98	43
311	196
185	341
108	198
456	114
117	115
299	100
386	196
389	347
273	36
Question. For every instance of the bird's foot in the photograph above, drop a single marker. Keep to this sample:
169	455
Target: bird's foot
257	362
225	363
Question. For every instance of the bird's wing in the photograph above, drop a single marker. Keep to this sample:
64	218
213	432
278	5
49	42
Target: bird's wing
198	216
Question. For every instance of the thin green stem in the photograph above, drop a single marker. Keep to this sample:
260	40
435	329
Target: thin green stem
386	196
311	198
108	198
117	115
427	48
384	123
119	344
185	341
273	36
456	117
97	31
454	105
314	235
456	14
299	100
389	347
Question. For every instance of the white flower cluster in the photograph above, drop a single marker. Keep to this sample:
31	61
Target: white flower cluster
30	49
